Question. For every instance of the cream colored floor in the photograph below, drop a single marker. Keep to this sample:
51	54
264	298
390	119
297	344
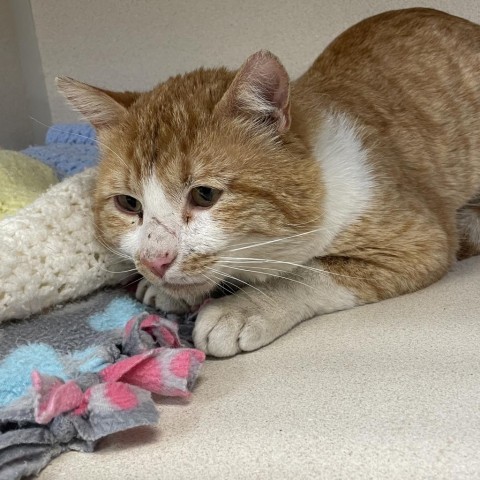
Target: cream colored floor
385	391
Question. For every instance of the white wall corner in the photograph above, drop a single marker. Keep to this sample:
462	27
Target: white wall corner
32	70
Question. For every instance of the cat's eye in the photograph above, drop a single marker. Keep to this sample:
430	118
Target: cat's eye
128	204
204	196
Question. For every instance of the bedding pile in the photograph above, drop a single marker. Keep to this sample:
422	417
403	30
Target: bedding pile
76	366
69	148
83	371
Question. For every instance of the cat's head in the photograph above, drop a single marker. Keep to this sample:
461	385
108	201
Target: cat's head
203	176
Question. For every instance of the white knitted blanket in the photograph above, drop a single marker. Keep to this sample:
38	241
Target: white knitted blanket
49	253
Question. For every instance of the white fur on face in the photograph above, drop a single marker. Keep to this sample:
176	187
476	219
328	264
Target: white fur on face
154	204
347	176
164	229
129	242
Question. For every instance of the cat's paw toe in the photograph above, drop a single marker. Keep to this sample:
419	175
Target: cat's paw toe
154	297
145	293
223	332
253	334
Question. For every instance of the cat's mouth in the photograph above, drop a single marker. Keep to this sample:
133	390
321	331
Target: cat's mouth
177	285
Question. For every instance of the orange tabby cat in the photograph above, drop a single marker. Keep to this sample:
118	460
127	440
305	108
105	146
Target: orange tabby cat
357	182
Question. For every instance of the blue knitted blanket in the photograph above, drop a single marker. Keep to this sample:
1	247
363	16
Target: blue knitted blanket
68	149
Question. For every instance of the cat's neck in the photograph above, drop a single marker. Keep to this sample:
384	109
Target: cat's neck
308	114
335	140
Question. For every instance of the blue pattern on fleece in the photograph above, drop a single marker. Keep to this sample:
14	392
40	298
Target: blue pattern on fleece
16	368
69	149
70	349
116	315
89	360
87	350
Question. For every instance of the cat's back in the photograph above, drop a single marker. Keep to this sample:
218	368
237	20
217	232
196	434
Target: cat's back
412	79
416	46
403	34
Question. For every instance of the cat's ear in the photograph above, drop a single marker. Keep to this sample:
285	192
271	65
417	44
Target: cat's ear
100	107
261	91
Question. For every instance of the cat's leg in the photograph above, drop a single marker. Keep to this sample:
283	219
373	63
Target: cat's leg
252	318
249	319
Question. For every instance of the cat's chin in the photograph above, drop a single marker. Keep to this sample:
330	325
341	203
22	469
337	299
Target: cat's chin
182	290
186	291
185	286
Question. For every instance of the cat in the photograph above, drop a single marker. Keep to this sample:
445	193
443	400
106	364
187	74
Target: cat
357	182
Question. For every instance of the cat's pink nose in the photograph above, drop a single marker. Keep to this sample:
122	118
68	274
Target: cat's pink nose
159	265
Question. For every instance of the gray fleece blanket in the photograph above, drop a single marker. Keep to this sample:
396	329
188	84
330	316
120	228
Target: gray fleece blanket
85	370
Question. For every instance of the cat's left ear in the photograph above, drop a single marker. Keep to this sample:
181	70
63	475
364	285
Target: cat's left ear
261	91
100	107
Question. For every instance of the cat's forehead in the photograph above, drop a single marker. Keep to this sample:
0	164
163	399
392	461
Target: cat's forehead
165	129
165	121
181	104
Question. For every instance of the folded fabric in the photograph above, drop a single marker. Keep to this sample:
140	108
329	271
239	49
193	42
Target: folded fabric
84	371
69	149
65	159
77	372
71	133
22	180
49	253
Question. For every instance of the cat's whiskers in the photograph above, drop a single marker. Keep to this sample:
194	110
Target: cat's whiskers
306	223
112	264
223	280
132	282
134	271
229	260
277	240
235	287
271	275
290	239
275	270
241	281
121	260
220	285
246	245
108	247
112	250
209	279
120	271
241	244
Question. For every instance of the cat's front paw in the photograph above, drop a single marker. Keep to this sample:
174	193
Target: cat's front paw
155	297
226	327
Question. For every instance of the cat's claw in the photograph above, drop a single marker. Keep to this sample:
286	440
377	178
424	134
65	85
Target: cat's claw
154	297
223	329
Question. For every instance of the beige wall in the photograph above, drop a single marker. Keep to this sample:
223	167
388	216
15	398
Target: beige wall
15	127
136	43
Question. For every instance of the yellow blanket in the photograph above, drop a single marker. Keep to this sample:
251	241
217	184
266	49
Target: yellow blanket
22	180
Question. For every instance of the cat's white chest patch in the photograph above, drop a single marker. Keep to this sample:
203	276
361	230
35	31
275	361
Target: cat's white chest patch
347	175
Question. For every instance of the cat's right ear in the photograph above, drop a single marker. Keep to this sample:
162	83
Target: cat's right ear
260	91
100	107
